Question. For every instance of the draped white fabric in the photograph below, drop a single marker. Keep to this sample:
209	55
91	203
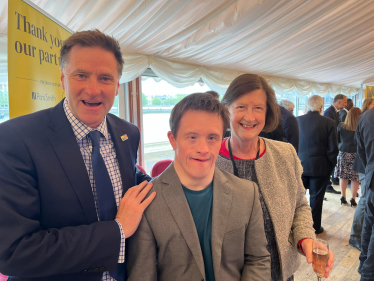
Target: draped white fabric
182	75
309	46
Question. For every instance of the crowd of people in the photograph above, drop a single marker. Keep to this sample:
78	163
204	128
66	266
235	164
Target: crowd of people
74	206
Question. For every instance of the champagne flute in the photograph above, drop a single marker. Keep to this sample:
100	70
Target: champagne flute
320	257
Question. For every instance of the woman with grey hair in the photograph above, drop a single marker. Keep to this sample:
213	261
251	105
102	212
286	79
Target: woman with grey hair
276	169
289	105
314	103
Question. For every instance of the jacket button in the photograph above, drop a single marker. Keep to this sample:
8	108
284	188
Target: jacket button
90	270
84	271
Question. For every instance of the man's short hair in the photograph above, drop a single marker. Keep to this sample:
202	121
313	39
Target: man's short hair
287	104
349	100
198	102
338	97
213	93
314	103
247	83
92	38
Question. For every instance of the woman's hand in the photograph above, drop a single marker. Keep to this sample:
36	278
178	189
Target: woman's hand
307	247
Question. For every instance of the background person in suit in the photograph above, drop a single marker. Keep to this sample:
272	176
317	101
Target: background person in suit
290	126
343	112
287	129
339	102
358	219
205	224
289	105
365	150
318	149
64	170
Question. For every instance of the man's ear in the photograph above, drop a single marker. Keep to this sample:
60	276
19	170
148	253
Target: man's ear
62	80
172	140
117	88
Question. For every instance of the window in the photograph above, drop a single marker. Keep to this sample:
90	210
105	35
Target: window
115	109
158	99
302	106
4	102
328	102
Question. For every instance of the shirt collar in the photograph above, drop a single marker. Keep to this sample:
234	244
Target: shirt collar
80	129
337	110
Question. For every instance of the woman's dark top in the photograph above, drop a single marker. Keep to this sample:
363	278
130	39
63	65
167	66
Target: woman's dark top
346	139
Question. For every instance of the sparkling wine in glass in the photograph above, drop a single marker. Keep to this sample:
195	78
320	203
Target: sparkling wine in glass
320	257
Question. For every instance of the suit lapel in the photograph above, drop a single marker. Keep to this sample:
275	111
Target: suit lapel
176	201
67	150
222	199
336	114
123	152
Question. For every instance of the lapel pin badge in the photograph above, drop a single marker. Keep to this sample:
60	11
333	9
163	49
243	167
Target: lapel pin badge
124	137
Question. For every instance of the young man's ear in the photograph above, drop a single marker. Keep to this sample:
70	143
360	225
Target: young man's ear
172	140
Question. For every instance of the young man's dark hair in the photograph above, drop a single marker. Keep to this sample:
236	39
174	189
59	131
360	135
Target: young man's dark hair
198	101
213	93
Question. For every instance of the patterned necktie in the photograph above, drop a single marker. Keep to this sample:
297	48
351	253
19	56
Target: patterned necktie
105	195
104	189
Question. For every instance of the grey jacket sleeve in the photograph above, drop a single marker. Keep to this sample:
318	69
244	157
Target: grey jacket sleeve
302	225
142	255
257	258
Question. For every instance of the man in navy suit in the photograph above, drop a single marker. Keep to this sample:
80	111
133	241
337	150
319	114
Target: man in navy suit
339	102
318	151
365	150
51	210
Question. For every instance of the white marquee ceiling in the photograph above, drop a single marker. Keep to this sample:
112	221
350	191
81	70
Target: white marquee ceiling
323	41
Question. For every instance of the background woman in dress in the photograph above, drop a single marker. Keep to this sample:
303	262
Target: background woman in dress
275	167
347	153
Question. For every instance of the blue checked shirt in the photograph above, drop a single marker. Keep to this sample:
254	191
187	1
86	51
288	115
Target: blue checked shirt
108	153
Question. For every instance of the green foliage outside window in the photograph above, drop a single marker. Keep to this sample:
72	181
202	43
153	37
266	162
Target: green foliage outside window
144	100
156	101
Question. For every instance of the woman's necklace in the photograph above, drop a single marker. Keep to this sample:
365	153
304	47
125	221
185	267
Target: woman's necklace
232	157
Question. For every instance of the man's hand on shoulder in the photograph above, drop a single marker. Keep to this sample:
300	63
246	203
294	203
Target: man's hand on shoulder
132	207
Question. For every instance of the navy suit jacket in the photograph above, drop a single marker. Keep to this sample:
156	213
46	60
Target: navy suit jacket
365	145
48	224
332	114
318	144
342	114
291	128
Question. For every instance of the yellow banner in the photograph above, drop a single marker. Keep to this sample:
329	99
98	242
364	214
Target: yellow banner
369	91
34	41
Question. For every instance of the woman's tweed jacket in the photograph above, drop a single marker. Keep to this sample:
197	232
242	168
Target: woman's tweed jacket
278	173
